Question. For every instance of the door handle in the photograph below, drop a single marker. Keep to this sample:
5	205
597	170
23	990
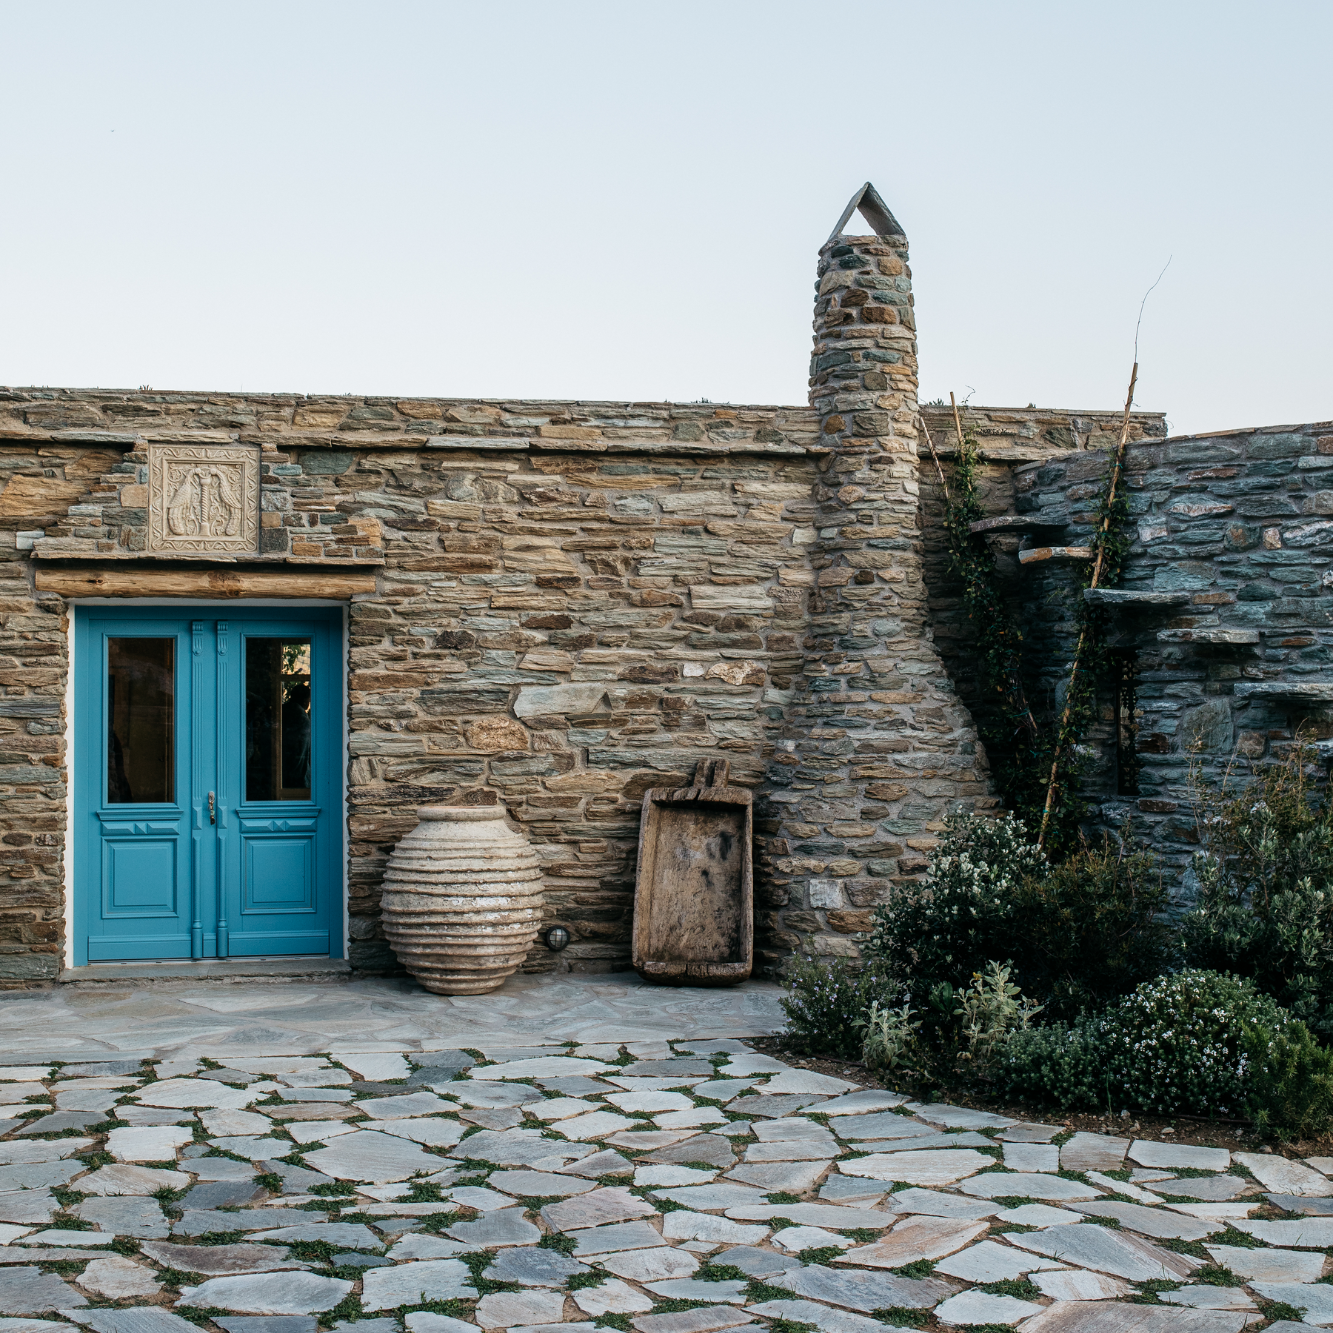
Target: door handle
212	814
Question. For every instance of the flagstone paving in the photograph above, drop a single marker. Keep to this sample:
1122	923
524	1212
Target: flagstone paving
596	1155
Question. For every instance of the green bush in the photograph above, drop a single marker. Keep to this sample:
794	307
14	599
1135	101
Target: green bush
1291	1081
824	1003
950	926
1264	907
1178	1044
1057	1064
1082	934
1092	929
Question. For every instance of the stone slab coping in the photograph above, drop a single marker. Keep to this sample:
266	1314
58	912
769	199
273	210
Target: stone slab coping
1130	597
1214	636
1039	553
208	969
45	549
1016	523
1307	691
382	440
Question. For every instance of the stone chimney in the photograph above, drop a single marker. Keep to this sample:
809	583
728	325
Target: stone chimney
878	748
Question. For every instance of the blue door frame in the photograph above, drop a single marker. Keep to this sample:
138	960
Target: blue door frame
207	793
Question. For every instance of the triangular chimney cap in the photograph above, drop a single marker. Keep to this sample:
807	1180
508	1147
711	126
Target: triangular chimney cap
873	209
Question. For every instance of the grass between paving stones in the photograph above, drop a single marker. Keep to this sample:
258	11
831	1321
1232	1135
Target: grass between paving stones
1194	1248
594	1278
1216	1275
919	1268
200	1314
557	1240
819	1254
790	1326
1018	1287
1148	1291
1275	1310
1110	1223
620	1321
1013	1200
477	1262
903	1314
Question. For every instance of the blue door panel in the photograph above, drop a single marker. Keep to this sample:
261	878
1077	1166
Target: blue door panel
278	875
177	853
139	878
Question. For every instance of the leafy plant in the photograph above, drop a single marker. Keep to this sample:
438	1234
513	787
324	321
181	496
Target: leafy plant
993	1009
1081	934
1265	907
1291	1081
1091	929
824	1002
889	1035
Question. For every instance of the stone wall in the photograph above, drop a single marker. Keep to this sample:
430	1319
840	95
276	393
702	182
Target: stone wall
1228	620
574	602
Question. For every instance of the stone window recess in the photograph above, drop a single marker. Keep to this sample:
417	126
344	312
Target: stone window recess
1123	668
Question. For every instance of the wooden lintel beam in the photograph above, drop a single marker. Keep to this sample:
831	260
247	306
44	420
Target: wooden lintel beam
201	583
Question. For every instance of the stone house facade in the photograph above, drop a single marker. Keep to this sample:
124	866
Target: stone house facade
559	605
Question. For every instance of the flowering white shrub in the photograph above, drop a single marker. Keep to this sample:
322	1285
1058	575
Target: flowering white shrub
1177	1045
945	929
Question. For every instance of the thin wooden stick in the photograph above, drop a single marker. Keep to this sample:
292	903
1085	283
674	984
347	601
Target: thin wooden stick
1096	578
930	444
957	424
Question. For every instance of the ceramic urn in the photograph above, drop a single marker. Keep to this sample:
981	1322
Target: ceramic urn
462	899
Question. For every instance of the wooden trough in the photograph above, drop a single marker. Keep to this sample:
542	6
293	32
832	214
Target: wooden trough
694	890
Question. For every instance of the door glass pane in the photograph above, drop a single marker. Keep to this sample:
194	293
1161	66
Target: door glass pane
140	743
277	719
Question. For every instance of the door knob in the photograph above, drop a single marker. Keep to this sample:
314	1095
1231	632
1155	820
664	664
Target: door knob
212	814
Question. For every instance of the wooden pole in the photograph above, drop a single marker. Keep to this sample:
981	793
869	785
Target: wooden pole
930	444
1096	579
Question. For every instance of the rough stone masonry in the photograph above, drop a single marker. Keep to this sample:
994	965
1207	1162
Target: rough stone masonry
565	603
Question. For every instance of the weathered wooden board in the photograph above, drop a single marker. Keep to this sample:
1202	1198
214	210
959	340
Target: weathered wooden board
202	582
694	892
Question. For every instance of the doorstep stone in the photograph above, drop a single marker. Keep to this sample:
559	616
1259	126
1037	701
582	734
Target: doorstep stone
929	1167
531	1266
979	1307
1093	1152
1107	1251
988	1261
1078	1284
612	1297
859	1290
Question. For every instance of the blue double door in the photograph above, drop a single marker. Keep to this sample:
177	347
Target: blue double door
207	782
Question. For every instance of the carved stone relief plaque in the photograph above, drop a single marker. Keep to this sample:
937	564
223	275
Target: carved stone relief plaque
203	498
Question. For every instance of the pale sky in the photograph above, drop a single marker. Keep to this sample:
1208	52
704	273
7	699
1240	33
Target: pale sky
625	200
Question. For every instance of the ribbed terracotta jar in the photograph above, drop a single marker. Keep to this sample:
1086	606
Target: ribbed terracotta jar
462	899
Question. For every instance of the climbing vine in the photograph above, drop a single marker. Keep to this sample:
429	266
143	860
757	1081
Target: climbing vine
1037	768
1005	722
